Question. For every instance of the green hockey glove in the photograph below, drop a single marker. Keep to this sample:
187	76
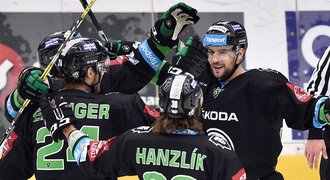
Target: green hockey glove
30	86
324	114
167	29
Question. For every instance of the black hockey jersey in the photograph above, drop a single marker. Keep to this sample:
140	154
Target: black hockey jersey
154	156
99	116
247	113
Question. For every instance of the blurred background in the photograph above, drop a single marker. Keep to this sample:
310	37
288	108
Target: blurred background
286	35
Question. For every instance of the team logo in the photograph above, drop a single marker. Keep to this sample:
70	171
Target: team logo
126	48
220	138
216	92
168	23
142	129
300	93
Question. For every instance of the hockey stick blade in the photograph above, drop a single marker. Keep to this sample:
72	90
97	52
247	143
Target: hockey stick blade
95	22
44	75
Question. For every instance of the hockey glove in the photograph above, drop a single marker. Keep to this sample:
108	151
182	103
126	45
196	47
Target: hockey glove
119	47
57	115
30	86
324	114
191	58
166	30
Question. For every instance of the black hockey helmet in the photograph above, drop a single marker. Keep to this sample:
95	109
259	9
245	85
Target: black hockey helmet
179	96
78	55
49	47
225	34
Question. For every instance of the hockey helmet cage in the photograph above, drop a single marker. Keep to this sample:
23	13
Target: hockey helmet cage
179	96
78	55
226	34
49	47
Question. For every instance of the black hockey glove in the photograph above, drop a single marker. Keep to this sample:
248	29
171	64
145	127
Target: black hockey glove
57	115
120	47
30	86
191	58
167	29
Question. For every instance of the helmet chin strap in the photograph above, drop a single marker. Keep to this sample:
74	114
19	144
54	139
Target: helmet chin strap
92	86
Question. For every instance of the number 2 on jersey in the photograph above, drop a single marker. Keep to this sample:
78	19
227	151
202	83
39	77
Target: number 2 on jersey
45	163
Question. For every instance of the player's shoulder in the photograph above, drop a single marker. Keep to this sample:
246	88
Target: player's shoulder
121	95
265	73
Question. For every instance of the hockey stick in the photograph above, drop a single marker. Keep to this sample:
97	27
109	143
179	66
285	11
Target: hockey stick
95	22
45	73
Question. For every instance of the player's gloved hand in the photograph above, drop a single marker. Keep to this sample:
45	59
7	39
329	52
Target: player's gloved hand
120	47
57	115
166	30
324	114
30	85
191	58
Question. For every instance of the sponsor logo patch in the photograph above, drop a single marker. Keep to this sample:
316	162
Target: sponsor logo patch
98	147
237	27
218	28
215	40
240	175
300	93
8	144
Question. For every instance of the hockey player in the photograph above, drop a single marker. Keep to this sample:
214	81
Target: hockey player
173	148
100	116
33	86
246	108
46	50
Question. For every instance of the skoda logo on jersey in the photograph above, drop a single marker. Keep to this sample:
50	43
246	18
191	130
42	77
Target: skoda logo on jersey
220	138
219	116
